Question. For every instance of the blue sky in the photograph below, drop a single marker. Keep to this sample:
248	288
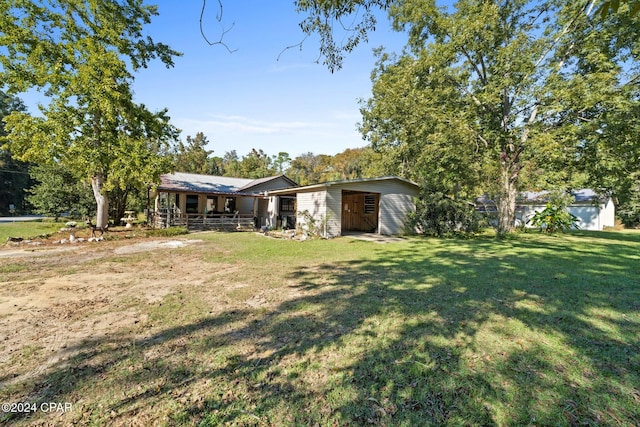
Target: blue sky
258	96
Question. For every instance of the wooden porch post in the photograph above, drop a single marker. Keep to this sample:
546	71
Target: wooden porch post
256	222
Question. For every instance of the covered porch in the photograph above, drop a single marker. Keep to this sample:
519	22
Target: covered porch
206	211
216	202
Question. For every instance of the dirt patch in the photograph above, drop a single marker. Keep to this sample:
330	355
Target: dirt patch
83	291
148	246
374	237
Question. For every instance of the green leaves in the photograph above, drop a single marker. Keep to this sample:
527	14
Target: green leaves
488	97
553	219
349	21
81	53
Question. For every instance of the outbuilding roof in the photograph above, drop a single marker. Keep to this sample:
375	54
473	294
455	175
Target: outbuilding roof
581	196
584	195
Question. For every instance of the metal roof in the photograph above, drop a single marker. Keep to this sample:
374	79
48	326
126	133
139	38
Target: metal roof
342	182
210	184
581	196
584	195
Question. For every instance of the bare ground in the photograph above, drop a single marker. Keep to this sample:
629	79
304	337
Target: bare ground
80	291
61	306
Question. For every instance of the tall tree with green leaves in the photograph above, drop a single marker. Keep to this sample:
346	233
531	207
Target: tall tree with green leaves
281	162
309	168
194	157
14	174
57	191
256	164
485	89
522	81
82	54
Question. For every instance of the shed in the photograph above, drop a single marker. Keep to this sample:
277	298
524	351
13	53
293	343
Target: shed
377	205
594	211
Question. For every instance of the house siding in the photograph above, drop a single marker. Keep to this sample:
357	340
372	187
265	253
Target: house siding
245	205
315	202
590	217
608	214
395	203
334	211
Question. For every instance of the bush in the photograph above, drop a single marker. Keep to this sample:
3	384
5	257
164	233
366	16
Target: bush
438	214
553	219
314	227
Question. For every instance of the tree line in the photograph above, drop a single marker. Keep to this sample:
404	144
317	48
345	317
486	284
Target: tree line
53	189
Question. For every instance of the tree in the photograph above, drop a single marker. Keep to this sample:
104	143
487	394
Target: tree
609	6
57	191
14	174
193	157
309	168
356	18
281	162
256	164
231	164
609	155
487	89
80	54
343	24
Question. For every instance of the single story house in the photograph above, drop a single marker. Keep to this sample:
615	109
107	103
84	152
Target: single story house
208	201
594	211
378	205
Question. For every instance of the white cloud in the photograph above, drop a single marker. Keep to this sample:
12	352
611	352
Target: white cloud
241	133
246	125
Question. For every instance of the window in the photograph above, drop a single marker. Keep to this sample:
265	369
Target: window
370	204
287	204
192	203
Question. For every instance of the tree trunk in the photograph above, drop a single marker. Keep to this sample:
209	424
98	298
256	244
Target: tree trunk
506	203
118	199
102	201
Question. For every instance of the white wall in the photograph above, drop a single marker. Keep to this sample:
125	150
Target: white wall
590	217
396	201
313	201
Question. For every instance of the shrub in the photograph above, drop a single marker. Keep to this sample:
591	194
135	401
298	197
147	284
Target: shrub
438	214
553	218
313	226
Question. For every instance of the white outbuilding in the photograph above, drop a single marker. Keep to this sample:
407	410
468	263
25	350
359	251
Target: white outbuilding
376	205
594	211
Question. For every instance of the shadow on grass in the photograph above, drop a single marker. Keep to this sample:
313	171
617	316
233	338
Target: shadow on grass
524	331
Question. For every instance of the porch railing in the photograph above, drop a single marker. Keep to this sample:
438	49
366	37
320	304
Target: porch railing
226	221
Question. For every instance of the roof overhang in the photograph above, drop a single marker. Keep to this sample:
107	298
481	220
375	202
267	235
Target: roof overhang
325	185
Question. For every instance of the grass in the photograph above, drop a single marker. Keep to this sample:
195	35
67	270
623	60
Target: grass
529	330
28	229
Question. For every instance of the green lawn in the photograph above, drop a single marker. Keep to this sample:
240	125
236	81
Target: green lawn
529	330
28	229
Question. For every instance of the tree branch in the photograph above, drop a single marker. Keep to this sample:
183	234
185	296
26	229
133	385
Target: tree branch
219	19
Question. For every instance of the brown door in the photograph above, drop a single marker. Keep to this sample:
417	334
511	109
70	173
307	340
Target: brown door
359	211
